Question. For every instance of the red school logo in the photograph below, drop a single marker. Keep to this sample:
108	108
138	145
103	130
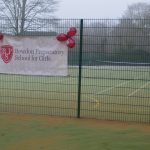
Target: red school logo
6	53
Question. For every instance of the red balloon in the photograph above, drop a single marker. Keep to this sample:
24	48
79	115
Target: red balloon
62	37
72	31
1	36
71	43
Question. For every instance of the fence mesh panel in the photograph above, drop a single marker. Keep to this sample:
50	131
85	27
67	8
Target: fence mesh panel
115	72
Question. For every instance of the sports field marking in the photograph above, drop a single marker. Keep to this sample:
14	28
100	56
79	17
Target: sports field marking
108	89
135	91
61	80
97	101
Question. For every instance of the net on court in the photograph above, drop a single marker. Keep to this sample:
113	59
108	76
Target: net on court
118	71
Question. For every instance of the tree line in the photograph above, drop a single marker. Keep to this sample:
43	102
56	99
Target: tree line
121	40
125	39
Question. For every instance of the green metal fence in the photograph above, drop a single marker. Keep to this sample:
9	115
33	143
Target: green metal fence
109	72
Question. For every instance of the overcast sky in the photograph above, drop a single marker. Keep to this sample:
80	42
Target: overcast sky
93	8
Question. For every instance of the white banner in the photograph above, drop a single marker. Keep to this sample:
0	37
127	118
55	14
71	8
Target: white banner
33	56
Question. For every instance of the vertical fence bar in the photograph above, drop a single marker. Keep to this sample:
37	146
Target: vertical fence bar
80	68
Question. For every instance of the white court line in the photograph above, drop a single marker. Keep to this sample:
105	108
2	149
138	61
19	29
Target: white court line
131	94
61	80
108	89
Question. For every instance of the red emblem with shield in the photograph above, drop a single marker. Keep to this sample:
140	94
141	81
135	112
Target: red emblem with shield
6	53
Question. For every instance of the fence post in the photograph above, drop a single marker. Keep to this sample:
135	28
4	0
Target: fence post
80	68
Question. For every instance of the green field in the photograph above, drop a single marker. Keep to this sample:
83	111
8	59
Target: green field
34	132
107	92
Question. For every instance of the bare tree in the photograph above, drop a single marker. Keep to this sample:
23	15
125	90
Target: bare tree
139	15
21	15
138	11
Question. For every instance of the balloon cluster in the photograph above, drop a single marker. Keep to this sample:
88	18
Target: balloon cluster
62	37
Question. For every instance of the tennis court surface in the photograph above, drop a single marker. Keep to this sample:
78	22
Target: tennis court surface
114	91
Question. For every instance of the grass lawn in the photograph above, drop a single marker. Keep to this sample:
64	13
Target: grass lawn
32	132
